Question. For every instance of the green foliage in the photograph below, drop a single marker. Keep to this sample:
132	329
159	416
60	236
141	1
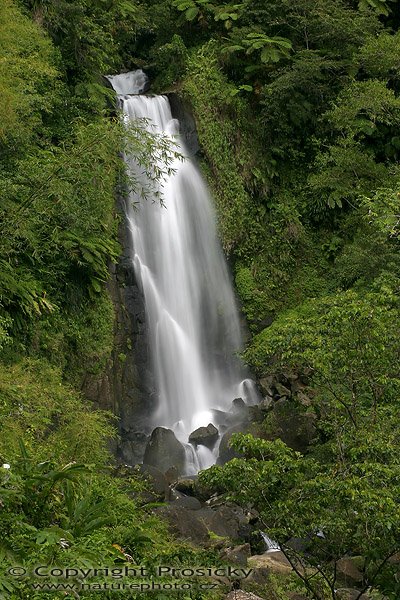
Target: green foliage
91	254
90	34
363	107
253	298
269	469
343	173
346	345
371	258
382	213
5	323
49	416
351	499
332	27
27	76
211	95
60	168
380	6
365	119
297	112
171	61
379	57
58	229
272	49
65	517
200	9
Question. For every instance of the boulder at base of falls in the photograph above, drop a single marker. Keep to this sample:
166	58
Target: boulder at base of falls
158	483
275	562
239	407
237	555
186	524
205	436
164	451
226	453
186	485
189	502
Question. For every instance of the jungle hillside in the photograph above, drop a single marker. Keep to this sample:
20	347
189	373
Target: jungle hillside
297	112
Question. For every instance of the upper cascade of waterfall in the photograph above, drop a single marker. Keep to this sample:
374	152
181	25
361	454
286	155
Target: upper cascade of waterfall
191	311
134	82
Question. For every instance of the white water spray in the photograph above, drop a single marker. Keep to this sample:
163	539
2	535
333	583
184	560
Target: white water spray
191	311
271	545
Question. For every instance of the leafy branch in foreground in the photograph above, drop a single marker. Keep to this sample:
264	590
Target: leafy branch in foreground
344	507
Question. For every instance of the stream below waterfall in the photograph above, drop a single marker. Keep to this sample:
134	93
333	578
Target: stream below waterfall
191	311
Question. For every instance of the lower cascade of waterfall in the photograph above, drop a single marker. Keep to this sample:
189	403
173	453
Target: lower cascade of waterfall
191	312
271	545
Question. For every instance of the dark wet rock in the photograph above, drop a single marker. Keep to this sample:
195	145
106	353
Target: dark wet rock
237	555
190	486
266	404
266	385
239	407
225	452
349	570
173	495
297	386
205	436
181	111
225	521
220	417
126	386
185	524
303	399
225	420
298	544
171	475
196	525
132	447
275	562
186	485
157	482
164	451
256	414
282	390
216	500
189	502
201	492
296	429
252	515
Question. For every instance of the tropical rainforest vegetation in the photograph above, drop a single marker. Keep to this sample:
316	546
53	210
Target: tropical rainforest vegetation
297	109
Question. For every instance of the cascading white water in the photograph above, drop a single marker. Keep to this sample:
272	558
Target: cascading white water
190	306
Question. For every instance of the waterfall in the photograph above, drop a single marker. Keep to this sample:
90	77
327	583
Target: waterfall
192	317
270	544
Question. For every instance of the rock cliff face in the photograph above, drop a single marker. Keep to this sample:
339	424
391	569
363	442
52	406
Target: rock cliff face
126	387
182	112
